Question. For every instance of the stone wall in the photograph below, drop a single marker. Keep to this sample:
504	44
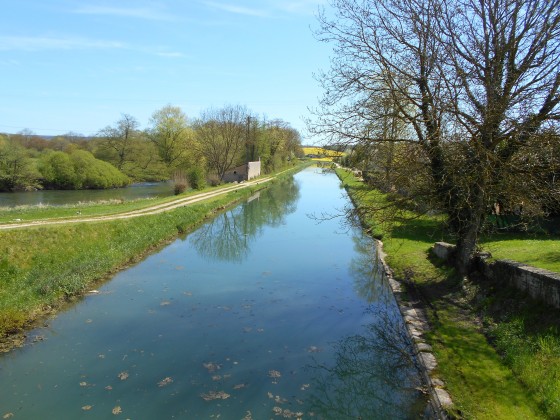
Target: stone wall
542	285
244	172
253	169
417	325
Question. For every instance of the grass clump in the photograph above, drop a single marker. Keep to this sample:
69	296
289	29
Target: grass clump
526	334
535	359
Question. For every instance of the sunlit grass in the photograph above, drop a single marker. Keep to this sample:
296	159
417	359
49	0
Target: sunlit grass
538	251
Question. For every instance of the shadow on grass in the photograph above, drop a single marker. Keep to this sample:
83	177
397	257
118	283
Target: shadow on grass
424	229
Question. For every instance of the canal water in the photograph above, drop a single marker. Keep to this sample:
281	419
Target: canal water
272	310
61	197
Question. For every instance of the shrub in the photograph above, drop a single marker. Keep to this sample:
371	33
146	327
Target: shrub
197	178
180	183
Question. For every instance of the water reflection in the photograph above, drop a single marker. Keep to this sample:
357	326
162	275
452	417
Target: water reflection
364	268
373	376
228	236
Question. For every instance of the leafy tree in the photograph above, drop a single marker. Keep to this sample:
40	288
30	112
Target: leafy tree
473	81
58	171
173	138
283	143
145	163
16	168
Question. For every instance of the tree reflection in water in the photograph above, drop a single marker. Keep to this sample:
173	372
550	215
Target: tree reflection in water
228	236
373	376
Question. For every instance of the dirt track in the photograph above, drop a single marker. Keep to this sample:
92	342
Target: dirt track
159	208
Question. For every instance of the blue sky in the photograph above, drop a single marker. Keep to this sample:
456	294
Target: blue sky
69	65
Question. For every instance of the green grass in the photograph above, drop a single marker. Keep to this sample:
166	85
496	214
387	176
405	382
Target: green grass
538	251
482	383
481	386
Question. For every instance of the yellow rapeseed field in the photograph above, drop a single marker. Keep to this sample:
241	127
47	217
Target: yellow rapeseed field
326	155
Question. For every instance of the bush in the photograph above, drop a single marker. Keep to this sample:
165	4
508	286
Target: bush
180	183
57	171
197	178
79	170
214	180
95	173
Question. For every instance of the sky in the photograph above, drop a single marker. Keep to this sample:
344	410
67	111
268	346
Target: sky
79	65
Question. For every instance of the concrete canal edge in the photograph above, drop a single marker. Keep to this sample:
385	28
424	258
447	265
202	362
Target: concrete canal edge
416	322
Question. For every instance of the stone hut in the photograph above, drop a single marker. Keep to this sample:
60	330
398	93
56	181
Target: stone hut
244	172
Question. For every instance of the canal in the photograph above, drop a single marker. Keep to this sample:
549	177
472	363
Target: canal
274	309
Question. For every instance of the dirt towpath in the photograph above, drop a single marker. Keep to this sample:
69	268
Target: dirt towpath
158	208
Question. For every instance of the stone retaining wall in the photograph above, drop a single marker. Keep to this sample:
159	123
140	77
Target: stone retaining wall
542	285
416	322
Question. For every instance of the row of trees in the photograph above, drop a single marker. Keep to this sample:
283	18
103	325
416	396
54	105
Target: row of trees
458	98
209	146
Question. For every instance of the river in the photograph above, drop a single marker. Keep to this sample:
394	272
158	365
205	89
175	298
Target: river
274	309
61	197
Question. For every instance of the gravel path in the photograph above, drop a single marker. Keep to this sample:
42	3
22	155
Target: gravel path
159	208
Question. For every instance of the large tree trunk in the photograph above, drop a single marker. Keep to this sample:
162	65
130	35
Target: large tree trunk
466	246
468	220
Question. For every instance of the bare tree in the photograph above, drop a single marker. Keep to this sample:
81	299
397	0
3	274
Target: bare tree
221	134
119	139
473	80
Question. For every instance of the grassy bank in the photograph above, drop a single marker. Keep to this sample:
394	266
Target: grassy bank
44	267
87	209
497	352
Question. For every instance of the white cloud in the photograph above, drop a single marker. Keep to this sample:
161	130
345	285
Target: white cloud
238	10
306	7
9	62
138	12
42	43
269	8
35	43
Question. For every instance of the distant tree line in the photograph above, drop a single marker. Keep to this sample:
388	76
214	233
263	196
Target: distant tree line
199	151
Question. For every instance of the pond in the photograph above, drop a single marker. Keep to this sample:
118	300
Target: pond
274	309
60	197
